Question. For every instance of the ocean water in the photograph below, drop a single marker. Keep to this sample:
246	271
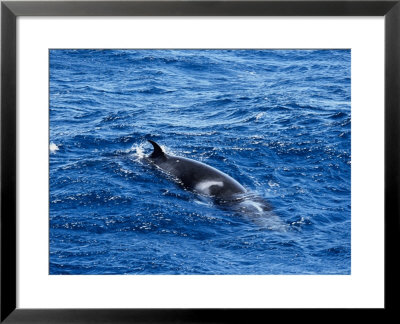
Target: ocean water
277	121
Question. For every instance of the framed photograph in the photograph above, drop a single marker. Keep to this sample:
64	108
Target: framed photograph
188	160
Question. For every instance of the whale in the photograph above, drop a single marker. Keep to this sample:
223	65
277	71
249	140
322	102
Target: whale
196	176
208	181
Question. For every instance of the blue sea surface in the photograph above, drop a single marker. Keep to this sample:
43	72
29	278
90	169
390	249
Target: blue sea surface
277	121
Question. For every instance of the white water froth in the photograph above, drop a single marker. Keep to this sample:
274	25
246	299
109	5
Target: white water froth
137	151
252	204
53	148
140	151
260	115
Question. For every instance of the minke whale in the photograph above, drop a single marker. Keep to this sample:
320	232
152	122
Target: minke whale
208	181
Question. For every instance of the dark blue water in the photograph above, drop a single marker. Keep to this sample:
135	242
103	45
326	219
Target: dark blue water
278	121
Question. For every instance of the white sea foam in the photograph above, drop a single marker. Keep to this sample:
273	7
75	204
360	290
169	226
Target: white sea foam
138	151
260	115
53	148
252	204
273	184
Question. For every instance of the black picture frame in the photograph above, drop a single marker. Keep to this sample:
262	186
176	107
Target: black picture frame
10	10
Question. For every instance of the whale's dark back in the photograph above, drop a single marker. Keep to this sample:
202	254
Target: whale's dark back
226	191
196	175
201	177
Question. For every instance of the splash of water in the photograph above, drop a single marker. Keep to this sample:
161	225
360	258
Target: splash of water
53	148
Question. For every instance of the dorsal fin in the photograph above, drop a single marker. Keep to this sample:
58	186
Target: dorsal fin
158	152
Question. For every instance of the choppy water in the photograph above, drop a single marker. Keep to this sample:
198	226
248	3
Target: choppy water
278	121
